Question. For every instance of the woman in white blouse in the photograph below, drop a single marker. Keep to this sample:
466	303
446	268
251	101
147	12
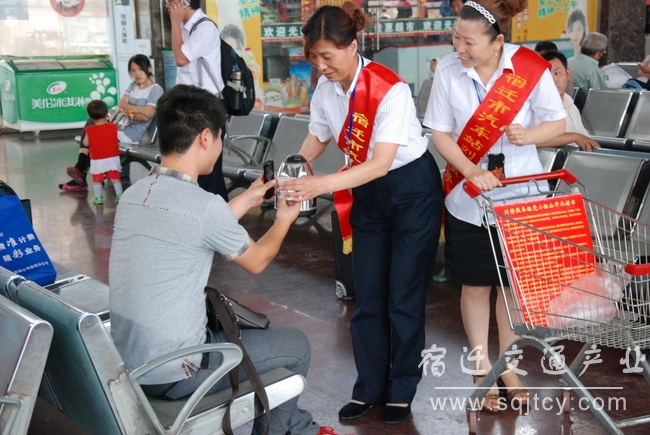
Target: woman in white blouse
482	112
395	205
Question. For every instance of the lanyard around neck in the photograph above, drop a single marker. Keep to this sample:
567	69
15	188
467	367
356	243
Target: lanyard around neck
348	133
478	94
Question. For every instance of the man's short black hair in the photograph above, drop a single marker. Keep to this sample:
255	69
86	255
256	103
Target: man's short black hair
544	46
195	4
97	109
550	55
182	113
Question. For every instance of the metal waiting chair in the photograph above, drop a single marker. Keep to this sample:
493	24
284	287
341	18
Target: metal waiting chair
614	181
606	114
144	152
422	99
638	132
94	389
25	341
245	145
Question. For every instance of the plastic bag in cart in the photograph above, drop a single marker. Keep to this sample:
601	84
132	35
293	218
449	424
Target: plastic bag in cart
589	300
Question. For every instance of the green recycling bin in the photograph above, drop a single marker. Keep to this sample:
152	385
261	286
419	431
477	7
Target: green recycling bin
52	93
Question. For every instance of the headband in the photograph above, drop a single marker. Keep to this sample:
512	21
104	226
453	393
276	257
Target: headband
488	16
482	10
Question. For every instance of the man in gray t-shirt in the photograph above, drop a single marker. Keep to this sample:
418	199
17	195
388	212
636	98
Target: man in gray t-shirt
167	230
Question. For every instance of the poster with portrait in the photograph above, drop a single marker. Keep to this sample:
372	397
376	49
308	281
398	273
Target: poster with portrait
240	25
14	10
556	19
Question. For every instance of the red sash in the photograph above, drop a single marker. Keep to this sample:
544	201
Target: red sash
373	84
498	108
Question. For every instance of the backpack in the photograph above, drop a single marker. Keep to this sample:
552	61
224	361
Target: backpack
238	99
23	252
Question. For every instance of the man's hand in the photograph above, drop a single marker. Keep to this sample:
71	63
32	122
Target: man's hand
176	12
586	143
255	193
287	210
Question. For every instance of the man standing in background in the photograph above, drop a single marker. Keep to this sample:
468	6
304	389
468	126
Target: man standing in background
190	43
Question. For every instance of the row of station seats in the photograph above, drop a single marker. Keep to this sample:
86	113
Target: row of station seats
250	141
56	343
618	119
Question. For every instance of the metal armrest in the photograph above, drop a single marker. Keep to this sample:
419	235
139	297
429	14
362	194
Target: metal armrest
232	145
232	356
14	404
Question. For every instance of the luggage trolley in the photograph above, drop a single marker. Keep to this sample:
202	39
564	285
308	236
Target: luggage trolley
578	271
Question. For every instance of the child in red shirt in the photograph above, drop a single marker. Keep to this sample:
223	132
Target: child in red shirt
101	138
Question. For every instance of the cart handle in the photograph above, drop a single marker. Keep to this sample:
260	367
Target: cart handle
637	269
564	175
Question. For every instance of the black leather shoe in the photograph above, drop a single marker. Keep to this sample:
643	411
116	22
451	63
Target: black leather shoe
396	414
353	410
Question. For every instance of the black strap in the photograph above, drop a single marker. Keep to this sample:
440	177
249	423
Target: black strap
232	332
199	22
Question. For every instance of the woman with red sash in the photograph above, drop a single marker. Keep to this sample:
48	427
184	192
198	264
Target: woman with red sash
482	112
392	196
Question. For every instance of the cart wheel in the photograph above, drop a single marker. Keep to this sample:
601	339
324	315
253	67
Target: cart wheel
37	133
472	421
566	400
340	290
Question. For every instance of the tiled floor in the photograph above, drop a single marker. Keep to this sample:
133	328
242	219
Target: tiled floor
298	289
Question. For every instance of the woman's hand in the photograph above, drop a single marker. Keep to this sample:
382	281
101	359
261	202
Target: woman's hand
515	133
148	110
301	189
482	178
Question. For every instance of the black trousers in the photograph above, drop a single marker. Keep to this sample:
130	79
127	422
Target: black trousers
214	182
395	229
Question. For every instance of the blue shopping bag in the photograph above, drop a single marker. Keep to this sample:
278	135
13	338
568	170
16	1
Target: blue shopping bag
20	250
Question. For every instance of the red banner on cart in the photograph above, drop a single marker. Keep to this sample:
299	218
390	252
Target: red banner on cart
545	243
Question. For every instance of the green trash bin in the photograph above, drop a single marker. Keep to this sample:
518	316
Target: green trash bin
52	93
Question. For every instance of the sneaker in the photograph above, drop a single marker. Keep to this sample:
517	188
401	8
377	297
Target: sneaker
73	186
327	430
77	139
76	174
98	200
118	197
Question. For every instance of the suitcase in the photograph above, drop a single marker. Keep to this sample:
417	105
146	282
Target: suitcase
343	264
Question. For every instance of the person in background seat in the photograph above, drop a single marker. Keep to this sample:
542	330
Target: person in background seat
575	133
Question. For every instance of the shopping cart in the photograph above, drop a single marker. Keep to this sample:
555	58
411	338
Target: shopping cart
577	271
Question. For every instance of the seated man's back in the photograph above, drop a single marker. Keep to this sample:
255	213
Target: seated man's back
167	230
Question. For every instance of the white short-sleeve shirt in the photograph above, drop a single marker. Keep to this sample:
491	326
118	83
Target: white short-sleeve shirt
395	122
454	99
204	42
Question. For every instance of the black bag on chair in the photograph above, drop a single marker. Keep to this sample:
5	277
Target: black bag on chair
230	320
243	316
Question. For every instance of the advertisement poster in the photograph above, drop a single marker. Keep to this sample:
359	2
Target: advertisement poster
292	94
239	25
542	265
14	10
556	19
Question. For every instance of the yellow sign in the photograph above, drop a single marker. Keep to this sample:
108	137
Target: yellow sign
239	24
556	19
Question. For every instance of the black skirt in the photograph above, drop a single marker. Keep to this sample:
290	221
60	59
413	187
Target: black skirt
468	254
